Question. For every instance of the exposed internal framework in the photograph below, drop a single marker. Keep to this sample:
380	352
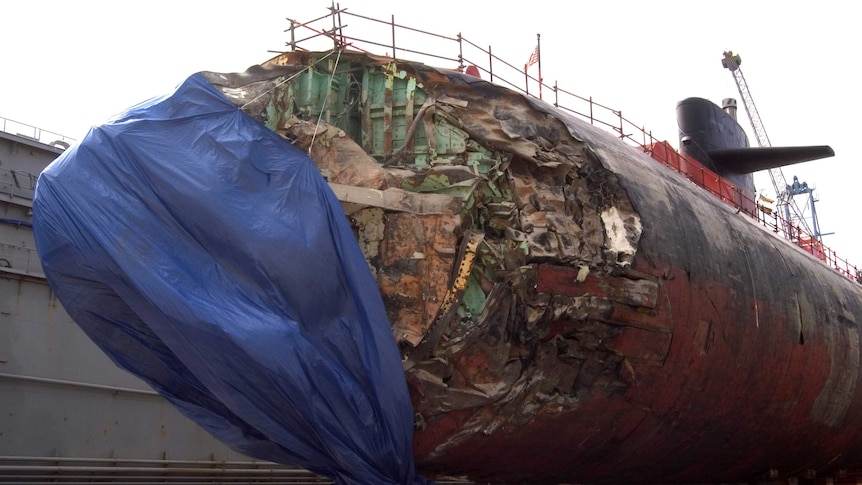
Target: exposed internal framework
501	244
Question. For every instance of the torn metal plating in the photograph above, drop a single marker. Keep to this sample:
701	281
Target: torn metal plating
501	244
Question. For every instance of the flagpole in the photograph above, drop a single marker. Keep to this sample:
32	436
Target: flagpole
539	51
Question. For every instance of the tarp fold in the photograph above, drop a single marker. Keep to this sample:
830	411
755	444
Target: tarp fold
207	255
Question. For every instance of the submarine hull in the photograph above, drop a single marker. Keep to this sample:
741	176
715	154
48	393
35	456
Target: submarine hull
565	308
745	361
630	327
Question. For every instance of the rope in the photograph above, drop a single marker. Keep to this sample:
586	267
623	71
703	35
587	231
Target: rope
291	78
325	99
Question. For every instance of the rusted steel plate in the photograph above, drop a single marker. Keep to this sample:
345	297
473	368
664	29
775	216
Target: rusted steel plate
579	282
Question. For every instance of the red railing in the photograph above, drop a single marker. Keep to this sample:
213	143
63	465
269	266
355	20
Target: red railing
498	70
710	181
745	202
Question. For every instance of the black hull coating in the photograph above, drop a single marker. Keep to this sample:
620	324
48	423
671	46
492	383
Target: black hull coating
705	128
763	369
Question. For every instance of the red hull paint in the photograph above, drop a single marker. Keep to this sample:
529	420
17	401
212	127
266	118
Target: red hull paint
714	397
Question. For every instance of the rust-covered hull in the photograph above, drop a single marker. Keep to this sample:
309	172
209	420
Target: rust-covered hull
568	309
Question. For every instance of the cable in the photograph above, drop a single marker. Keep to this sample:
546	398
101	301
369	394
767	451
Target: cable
291	78
325	99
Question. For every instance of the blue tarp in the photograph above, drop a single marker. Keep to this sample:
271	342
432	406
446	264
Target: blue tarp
207	255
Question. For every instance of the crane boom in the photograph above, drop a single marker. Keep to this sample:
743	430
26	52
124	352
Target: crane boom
784	198
732	61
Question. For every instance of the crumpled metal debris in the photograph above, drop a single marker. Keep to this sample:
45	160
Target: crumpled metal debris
501	244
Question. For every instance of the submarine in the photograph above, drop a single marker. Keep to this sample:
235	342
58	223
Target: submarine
561	308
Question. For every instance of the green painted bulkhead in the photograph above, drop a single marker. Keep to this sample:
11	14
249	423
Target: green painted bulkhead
375	105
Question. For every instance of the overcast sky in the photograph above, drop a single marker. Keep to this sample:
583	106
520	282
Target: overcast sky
68	65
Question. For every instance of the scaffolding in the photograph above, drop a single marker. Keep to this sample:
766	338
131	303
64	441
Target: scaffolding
328	32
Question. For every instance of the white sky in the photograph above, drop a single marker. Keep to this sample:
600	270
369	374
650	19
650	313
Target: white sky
68	65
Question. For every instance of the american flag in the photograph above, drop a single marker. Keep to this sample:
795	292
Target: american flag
534	57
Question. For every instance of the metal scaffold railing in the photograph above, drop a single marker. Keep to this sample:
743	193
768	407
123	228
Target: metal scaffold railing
328	33
35	133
